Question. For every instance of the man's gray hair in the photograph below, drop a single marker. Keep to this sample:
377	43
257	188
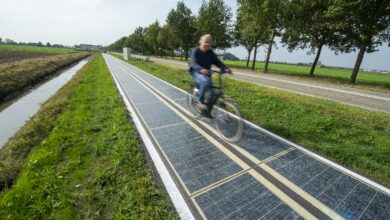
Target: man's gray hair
206	36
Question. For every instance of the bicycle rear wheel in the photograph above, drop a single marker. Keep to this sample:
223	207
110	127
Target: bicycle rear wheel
228	121
192	93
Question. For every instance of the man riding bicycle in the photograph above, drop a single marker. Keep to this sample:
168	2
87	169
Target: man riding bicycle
202	58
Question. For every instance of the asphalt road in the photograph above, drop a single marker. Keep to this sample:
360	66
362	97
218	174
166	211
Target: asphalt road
378	101
262	176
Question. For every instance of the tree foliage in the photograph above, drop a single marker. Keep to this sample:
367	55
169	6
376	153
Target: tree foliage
242	38
117	45
272	17
341	25
151	36
136	41
215	18
363	25
181	25
253	27
165	41
309	25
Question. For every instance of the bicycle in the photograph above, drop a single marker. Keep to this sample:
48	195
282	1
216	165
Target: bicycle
225	114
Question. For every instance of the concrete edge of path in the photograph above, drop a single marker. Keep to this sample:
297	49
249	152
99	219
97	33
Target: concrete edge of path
170	186
312	154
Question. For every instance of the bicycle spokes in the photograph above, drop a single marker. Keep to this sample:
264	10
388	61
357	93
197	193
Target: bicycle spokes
227	120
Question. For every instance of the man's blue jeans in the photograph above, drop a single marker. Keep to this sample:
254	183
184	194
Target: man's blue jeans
205	85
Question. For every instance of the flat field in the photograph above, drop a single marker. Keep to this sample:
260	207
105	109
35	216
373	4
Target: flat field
16	76
24	48
324	73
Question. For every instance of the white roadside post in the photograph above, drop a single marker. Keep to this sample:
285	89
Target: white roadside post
127	53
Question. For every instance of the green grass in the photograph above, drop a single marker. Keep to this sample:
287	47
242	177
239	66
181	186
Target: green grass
331	74
15	76
356	138
24	48
91	165
366	80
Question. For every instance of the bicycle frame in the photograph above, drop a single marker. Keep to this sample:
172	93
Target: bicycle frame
218	90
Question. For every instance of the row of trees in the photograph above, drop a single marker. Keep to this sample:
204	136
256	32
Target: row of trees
343	26
182	30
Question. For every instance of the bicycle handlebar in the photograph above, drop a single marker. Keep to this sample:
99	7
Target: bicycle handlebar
219	72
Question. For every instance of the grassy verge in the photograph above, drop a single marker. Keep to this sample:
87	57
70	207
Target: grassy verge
353	137
18	75
321	73
25	48
91	165
366	80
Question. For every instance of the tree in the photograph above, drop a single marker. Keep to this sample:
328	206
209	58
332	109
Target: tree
252	25
308	25
1	40
151	36
363	25
271	14
215	18
240	38
136	41
265	18
165	40
48	44
117	45
180	22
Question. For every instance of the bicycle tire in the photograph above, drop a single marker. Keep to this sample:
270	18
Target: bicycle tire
192	92
228	120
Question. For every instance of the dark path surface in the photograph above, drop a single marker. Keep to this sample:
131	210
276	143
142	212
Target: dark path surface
261	177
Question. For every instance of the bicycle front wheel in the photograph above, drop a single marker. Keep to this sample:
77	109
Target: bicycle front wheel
228	121
192	93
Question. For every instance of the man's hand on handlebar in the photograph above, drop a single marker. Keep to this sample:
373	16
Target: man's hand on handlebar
228	70
209	72
204	71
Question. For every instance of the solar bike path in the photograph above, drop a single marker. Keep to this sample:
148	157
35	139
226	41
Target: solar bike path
260	177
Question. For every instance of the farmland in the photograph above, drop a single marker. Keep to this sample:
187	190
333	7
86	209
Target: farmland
35	49
18	75
321	73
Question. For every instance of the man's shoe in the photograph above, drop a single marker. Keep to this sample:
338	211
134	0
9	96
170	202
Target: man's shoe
200	105
207	114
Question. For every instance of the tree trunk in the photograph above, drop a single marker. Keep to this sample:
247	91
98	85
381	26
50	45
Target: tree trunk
359	60
173	54
313	66
254	58
186	54
249	57
271	42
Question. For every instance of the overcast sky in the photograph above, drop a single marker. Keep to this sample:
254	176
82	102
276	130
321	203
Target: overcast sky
72	22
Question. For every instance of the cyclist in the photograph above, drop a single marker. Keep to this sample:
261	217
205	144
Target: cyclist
202	58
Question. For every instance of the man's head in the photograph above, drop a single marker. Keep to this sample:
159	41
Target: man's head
205	42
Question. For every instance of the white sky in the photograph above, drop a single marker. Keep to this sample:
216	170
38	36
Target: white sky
102	22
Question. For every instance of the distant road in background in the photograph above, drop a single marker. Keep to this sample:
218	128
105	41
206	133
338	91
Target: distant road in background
372	100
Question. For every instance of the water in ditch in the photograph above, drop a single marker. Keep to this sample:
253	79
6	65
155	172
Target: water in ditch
15	115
